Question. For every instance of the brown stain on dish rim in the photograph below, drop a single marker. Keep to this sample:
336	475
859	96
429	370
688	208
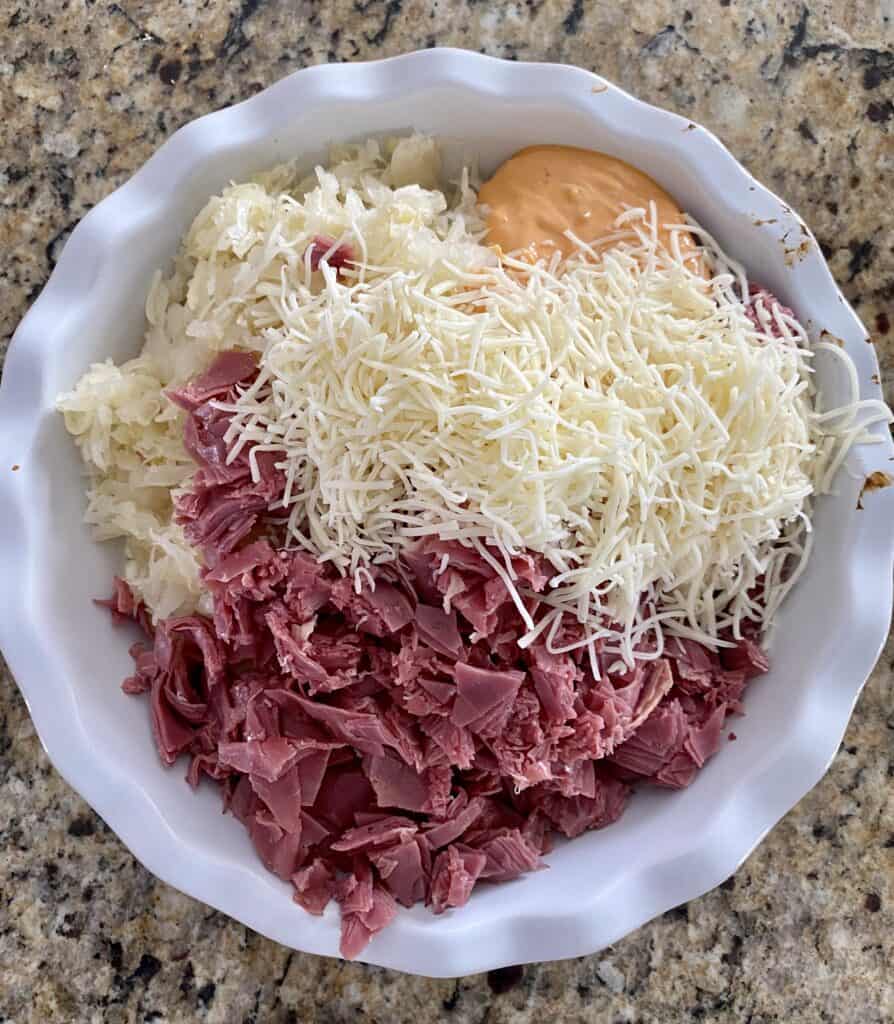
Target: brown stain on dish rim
874	482
797	253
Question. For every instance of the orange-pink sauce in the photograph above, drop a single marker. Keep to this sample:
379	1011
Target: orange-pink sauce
543	190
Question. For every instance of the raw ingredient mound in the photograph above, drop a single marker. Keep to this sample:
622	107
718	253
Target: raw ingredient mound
624	416
394	744
436	554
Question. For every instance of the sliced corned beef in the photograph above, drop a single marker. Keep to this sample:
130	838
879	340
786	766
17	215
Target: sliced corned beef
363	731
314	886
125	606
573	815
311	768
458	821
201	633
480	690
522	746
217	520
291	647
402	871
456	743
659	678
454	875
282	797
225	502
354	891
357	928
480	604
382	830
554	676
229	368
381	612
280	851
324	249
703	741
694	665
309	586
344	792
508	854
266	759
172	735
655	742
747	657
439	631
577	779
396	784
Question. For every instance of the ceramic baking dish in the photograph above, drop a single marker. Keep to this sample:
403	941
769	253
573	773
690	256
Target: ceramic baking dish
69	659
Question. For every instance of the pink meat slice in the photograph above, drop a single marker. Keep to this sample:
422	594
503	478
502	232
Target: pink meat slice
402	869
358	927
314	886
454	875
747	657
438	629
325	249
480	690
267	759
229	368
396	784
380	612
380	831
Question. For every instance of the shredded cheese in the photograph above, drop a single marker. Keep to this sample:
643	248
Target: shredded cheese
618	413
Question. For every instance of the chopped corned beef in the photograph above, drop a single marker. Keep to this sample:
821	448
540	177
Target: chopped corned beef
229	368
283	798
124	606
227	499
382	611
745	656
572	815
281	852
325	249
358	927
480	690
393	744
763	308
402	868
267	759
438	630
314	886
507	854
453	877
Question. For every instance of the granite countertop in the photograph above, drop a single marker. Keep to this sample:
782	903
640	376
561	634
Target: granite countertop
805	98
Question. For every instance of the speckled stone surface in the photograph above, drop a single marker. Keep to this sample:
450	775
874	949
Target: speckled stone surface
805	97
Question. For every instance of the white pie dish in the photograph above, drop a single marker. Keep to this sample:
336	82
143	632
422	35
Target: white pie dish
69	659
